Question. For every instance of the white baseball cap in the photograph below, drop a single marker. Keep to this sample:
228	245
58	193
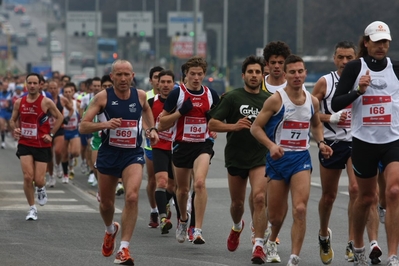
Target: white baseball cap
377	31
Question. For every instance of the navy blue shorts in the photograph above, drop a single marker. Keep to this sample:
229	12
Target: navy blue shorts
71	134
291	163
342	151
113	161
84	139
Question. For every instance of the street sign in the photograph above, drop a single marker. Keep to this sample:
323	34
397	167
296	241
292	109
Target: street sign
81	23
182	46
135	24
182	23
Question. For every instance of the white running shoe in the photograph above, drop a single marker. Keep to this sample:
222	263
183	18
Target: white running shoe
51	182
381	213
91	178
94	183
3	145
41	196
294	260
65	179
271	252
181	230
58	171
32	215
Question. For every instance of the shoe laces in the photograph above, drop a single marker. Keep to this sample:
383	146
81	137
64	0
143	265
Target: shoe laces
271	248
234	235
325	245
294	260
360	257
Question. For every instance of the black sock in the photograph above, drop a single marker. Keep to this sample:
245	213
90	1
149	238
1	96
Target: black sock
3	135
160	198
65	167
192	222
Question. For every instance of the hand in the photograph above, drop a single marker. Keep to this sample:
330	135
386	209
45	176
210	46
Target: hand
66	120
338	117
114	123
47	138
325	150
213	134
17	133
243	123
364	82
276	152
186	107
153	136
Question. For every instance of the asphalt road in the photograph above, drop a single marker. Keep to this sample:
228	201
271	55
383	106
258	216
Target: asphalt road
69	230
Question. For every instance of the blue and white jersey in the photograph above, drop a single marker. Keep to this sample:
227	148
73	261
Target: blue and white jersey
128	135
290	126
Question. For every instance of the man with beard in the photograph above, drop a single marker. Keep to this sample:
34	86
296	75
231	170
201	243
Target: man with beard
244	155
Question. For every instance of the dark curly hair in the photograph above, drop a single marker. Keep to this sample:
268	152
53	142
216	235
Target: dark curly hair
276	48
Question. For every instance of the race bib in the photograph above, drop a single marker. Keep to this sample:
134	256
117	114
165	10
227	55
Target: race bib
28	130
377	110
294	135
124	136
194	129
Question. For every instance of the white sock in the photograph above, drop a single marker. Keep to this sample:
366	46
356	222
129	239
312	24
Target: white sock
110	229
124	244
258	242
237	227
154	210
33	207
372	243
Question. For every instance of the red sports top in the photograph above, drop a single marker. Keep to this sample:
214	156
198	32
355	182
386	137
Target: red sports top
193	127
34	123
165	137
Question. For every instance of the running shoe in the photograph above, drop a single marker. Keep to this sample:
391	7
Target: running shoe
268	231
71	174
381	213
393	261
360	258
375	253
65	179
32	215
271	252
165	226
326	251
91	178
3	145
58	171
120	190
181	230
83	167
234	238
153	220
168	211
294	260
108	246
258	255
123	257
51	182
197	237
349	252
41	196
190	233
94	183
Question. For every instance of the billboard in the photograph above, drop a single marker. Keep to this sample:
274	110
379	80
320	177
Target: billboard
183	46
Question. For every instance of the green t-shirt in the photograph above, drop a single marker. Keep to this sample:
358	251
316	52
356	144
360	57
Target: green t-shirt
242	149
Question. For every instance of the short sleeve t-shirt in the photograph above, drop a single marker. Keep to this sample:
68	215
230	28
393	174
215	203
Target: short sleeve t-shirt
242	149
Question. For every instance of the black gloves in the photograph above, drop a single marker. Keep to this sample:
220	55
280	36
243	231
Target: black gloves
186	107
66	120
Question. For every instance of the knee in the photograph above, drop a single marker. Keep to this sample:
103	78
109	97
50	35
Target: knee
353	190
199	185
299	211
75	154
162	182
328	198
259	200
392	193
131	198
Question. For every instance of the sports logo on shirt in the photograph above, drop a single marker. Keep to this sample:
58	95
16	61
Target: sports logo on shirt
114	103
132	107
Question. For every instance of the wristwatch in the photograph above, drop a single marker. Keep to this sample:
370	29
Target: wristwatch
51	135
321	141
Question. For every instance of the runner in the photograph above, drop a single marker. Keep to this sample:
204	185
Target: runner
35	137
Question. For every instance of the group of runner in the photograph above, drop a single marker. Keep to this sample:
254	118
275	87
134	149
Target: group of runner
352	114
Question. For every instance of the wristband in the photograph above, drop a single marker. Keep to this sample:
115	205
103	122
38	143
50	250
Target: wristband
321	141
153	128
359	92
